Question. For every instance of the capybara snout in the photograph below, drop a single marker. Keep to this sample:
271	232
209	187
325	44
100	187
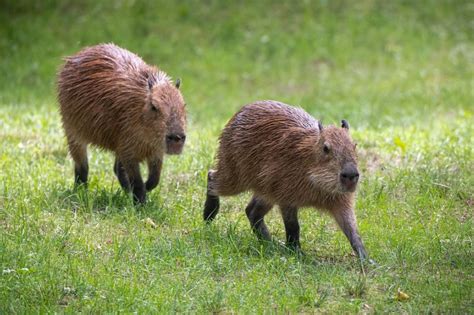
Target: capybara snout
335	162
168	114
175	143
349	177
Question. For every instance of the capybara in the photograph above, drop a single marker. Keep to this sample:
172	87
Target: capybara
111	98
286	157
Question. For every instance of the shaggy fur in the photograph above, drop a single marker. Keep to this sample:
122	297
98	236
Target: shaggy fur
286	157
111	98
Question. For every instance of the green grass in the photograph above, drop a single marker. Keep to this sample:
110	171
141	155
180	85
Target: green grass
401	73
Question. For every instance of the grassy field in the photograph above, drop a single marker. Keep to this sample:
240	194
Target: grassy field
401	73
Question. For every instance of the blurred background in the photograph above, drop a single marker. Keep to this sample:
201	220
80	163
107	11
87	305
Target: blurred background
371	62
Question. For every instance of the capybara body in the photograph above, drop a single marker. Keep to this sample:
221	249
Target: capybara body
111	98
286	157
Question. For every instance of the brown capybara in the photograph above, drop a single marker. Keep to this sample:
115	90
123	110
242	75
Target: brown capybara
286	157
111	98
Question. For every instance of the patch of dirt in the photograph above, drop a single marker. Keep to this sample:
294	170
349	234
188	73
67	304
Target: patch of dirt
467	214
470	202
371	162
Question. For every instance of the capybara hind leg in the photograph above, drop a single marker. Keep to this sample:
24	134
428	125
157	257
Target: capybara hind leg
136	181
211	206
345	218
256	211
78	153
121	174
154	172
292	227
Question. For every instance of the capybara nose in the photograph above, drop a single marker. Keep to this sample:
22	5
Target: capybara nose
351	177
176	137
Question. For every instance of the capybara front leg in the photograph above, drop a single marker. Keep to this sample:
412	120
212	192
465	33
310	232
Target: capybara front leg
136	181
121	175
292	226
211	206
256	211
154	172
346	219
78	153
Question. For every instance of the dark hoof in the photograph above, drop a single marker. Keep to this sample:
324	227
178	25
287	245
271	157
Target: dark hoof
80	185
263	235
211	208
139	199
294	247
362	254
150	186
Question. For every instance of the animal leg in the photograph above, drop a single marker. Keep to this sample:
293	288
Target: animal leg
346	219
122	176
154	172
138	187
78	153
211	206
292	227
256	211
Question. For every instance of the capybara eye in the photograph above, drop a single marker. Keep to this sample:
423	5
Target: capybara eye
153	108
326	149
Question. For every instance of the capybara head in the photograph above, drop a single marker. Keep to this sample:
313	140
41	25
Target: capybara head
166	111
335	160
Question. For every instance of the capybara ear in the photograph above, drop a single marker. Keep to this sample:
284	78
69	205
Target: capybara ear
151	80
320	125
178	83
344	124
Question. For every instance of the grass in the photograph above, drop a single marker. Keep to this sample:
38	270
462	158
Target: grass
399	72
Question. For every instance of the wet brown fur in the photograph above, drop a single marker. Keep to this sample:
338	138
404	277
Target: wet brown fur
111	98
277	152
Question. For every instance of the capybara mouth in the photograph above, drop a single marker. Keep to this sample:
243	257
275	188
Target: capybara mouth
349	177
348	187
174	147
175	143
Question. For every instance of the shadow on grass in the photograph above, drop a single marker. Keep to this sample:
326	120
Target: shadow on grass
244	242
104	201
